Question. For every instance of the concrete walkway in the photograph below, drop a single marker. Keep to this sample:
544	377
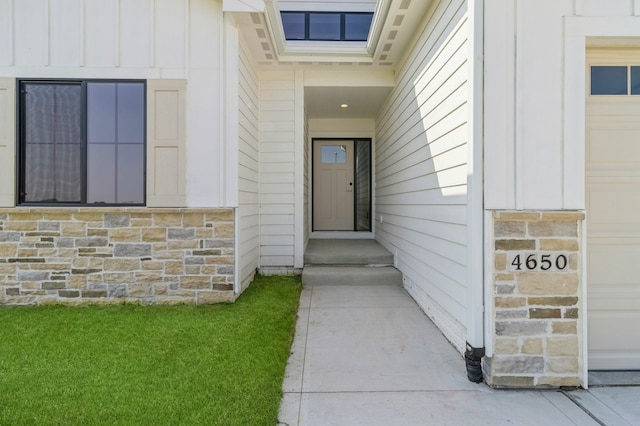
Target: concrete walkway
367	355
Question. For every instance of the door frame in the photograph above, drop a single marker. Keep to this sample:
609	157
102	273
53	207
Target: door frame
354	234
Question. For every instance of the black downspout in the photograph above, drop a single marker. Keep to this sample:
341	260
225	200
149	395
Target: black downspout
473	360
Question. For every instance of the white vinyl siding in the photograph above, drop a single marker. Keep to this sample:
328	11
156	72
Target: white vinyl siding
277	168
421	170
248	179
7	142
132	34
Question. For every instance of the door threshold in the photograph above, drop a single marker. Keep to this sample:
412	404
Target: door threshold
341	235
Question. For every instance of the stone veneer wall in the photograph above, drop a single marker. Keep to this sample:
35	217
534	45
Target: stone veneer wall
115	255
537	313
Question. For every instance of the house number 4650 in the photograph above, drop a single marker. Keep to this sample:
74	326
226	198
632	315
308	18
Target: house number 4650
544	262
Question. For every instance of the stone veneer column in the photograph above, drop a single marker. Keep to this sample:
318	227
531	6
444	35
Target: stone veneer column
115	255
536	300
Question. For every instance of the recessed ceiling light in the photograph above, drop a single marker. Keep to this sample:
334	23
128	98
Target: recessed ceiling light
344	106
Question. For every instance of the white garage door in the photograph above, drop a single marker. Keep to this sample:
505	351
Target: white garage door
613	211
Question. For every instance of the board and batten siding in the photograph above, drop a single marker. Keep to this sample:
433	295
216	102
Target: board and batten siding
421	169
277	168
93	37
249	178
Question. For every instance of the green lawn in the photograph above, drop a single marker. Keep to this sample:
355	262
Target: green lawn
219	364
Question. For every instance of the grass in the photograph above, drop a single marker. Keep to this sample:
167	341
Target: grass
217	364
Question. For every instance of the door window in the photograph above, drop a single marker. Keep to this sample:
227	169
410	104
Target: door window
334	154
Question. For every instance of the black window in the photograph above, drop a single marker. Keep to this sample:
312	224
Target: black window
82	142
327	26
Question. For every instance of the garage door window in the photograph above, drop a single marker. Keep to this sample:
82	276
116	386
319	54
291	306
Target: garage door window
615	80
635	80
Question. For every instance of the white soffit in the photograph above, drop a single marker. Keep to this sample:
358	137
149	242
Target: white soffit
394	26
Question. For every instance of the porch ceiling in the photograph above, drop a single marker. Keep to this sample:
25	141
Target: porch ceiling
393	29
363	102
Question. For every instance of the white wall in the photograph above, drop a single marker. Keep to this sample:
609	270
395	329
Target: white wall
277	168
248	160
421	169
146	39
534	100
524	152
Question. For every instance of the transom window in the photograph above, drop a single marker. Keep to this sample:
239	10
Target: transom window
615	80
327	26
82	142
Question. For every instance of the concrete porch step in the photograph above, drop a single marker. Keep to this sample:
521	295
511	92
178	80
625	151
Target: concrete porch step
314	275
347	252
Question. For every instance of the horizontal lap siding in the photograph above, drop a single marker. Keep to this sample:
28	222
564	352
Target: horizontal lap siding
421	170
277	172
248	179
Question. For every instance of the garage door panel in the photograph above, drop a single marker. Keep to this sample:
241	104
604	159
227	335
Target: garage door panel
612	172
613	142
608	264
621	361
614	108
610	351
613	203
614	297
603	323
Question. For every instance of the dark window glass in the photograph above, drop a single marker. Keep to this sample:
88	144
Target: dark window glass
609	80
83	142
635	80
324	26
294	25
115	126
363	185
356	26
52	142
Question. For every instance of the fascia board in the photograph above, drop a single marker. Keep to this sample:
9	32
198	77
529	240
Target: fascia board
243	6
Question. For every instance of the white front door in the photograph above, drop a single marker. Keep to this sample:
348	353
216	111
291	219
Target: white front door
613	218
333	185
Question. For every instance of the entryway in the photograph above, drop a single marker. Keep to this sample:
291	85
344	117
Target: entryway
613	210
341	185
